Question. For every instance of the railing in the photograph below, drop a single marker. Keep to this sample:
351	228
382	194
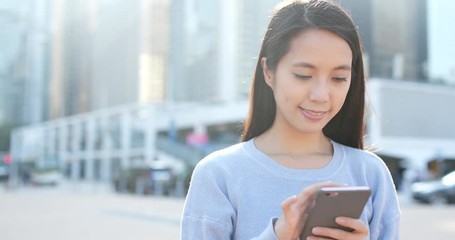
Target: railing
186	153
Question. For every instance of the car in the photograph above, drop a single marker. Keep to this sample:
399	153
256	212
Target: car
46	171
45	176
4	172
145	179
435	192
5	162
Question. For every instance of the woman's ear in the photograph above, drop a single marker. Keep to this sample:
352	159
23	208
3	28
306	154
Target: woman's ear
268	75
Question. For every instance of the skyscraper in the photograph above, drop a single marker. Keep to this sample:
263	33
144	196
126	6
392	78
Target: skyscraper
108	53
12	72
213	48
194	50
24	61
394	36
253	19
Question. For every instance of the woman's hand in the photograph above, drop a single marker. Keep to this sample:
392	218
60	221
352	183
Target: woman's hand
360	230
295	212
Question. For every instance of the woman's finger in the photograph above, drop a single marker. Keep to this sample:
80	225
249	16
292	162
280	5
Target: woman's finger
317	238
287	204
331	233
286	227
308	194
360	230
356	224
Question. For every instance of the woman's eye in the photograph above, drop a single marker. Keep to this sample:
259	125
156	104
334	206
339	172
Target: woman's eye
305	77
340	79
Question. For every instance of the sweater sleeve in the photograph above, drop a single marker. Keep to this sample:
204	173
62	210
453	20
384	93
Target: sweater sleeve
269	232
385	220
208	213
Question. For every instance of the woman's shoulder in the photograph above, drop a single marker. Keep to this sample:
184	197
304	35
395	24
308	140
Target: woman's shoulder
226	152
369	164
365	157
366	154
220	164
223	157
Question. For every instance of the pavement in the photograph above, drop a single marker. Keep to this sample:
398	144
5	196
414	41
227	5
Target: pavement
93	211
86	211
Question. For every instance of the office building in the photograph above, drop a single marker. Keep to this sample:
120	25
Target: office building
25	62
213	48
108	53
11	71
394	37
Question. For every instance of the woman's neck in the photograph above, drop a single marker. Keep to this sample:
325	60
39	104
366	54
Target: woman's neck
296	149
293	141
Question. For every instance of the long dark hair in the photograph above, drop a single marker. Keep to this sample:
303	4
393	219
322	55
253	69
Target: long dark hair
288	20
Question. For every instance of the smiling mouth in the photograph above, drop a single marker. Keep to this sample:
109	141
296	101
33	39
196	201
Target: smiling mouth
313	115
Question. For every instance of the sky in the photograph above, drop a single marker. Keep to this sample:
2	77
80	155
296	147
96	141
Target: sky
441	39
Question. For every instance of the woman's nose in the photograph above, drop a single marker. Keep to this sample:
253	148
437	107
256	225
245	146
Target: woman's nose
319	92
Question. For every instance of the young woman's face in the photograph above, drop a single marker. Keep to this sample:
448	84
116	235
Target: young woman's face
311	81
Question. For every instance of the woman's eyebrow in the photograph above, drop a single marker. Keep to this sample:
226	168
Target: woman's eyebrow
303	64
308	65
343	67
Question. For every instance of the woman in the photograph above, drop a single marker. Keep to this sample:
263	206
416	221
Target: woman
304	131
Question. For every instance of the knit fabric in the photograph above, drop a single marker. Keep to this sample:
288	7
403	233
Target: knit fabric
236	193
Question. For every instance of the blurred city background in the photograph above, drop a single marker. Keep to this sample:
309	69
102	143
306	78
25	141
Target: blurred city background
107	105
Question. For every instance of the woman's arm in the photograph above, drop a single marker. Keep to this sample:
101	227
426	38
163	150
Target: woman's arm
208	213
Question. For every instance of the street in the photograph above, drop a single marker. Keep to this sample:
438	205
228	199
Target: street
91	211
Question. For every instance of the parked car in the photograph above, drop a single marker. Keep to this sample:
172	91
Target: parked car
45	171
5	161
45	176
4	171
438	191
145	179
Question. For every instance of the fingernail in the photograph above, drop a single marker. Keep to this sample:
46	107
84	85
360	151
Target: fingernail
293	198
316	230
340	220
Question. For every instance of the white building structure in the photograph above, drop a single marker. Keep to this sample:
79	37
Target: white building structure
411	121
95	145
407	120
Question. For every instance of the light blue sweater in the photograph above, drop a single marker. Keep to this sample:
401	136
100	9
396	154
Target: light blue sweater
236	192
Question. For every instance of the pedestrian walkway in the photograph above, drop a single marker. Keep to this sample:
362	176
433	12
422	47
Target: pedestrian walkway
88	187
86	210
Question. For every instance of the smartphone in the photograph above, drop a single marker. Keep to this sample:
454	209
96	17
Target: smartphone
333	202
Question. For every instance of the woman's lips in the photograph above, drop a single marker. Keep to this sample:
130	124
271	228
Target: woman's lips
313	115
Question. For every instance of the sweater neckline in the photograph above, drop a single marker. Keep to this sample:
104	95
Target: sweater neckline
295	173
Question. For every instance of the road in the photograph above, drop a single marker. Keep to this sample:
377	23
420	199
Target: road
92	211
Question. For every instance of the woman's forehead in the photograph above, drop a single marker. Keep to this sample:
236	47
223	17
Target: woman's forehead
314	47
